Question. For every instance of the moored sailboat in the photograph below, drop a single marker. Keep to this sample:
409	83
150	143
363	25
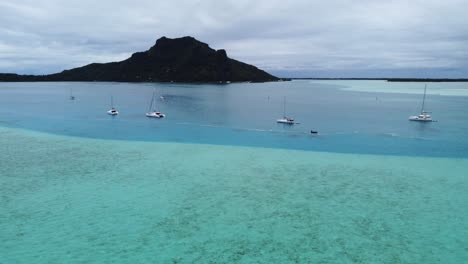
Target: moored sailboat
285	119
424	116
152	112
112	111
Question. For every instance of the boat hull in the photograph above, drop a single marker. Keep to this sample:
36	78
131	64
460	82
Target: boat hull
420	119
285	121
155	115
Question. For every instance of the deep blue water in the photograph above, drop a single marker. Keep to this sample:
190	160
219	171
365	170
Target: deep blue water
245	114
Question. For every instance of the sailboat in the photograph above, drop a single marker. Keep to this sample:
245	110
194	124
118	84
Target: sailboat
152	109
72	97
285	119
424	116
112	111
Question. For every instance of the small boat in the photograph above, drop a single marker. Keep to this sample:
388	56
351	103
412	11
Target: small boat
72	97
285	119
313	132
112	111
424	116
152	112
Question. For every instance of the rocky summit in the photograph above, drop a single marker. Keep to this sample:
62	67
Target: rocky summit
169	60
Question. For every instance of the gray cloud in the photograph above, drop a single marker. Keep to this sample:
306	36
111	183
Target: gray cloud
339	38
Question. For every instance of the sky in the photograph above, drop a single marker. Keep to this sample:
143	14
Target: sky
295	38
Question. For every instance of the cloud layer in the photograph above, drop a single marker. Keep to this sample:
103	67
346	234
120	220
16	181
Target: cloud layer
339	38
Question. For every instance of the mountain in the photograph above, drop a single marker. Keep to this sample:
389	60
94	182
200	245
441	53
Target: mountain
169	60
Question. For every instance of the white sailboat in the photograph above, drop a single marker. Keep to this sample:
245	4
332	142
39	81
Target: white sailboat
424	116
152	112
285	119
112	111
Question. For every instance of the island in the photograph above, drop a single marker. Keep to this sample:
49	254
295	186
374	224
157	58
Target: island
169	60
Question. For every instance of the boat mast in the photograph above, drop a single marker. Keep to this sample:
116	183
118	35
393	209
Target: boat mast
159	100
424	98
151	104
284	106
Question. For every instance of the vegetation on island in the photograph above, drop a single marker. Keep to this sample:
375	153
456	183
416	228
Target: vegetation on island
169	60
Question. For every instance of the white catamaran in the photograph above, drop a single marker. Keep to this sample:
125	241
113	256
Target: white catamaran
152	109
285	119
424	116
112	111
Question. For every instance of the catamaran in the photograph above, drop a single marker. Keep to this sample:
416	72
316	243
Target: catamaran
285	119
112	111
152	109
424	116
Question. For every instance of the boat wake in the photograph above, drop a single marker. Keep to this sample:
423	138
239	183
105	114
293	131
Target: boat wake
396	135
242	129
391	134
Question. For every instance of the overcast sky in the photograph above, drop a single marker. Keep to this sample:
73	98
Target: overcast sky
296	38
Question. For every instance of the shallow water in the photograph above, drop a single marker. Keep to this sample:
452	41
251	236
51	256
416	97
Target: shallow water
434	88
77	200
78	186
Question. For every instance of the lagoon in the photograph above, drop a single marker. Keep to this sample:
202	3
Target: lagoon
348	120
218	181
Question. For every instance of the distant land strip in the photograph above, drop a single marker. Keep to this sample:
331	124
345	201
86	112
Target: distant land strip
390	79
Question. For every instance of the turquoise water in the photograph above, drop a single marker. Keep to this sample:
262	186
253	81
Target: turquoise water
225	193
75	200
245	115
